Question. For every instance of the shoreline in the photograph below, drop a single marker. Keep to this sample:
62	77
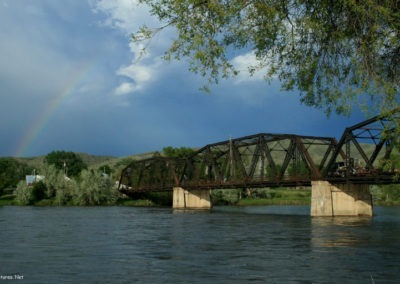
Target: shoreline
8	200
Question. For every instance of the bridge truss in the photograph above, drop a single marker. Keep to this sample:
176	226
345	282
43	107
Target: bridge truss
365	151
272	160
259	160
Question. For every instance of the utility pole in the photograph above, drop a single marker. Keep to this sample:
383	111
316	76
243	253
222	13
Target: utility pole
65	168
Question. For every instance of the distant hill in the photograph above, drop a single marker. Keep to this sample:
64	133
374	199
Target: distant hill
118	163
92	161
88	159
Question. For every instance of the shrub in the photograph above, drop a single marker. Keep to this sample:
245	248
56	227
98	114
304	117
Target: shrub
23	194
38	191
11	172
225	196
64	191
94	189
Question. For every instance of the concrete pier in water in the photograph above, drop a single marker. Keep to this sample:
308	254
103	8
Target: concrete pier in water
191	199
340	200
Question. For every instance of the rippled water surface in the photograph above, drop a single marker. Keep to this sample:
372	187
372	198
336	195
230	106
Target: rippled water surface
265	244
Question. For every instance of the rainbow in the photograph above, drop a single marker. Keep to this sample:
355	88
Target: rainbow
40	122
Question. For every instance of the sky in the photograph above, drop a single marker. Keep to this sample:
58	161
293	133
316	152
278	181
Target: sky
71	79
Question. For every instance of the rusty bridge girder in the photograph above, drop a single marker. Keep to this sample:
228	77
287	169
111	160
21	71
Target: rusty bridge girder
253	161
365	150
256	161
152	174
272	160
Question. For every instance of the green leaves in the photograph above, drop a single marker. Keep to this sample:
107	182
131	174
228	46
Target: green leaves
23	194
94	189
11	172
69	162
332	52
182	152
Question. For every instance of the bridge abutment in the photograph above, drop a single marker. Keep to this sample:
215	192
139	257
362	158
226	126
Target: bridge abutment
340	200
191	199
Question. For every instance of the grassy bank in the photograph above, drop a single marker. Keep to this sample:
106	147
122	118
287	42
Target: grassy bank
279	197
265	201
386	203
7	200
151	199
218	197
262	196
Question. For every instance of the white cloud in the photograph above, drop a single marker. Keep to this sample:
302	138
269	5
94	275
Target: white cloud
124	15
140	74
243	63
127	16
125	88
146	64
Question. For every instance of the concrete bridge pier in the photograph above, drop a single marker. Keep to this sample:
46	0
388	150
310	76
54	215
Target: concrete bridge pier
191	199
340	200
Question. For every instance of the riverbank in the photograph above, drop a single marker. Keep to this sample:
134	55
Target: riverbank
9	200
257	197
288	198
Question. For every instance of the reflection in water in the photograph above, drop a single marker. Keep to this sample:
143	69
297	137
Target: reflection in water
329	232
342	221
189	211
262	244
353	221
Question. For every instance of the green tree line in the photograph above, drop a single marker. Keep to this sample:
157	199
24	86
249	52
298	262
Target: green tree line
88	188
67	181
97	186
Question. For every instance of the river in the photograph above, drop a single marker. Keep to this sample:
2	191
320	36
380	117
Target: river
263	244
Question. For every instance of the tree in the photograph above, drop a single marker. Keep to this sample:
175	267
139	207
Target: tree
105	169
39	190
23	194
94	189
58	186
182	152
69	162
11	172
332	52
65	191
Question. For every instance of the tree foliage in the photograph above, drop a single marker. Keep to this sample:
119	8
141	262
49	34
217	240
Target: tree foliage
182	152
11	172
332	52
23	194
105	169
38	191
69	162
65	191
94	189
58	186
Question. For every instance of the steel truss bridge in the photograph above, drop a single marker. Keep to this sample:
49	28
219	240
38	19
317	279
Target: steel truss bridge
363	155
